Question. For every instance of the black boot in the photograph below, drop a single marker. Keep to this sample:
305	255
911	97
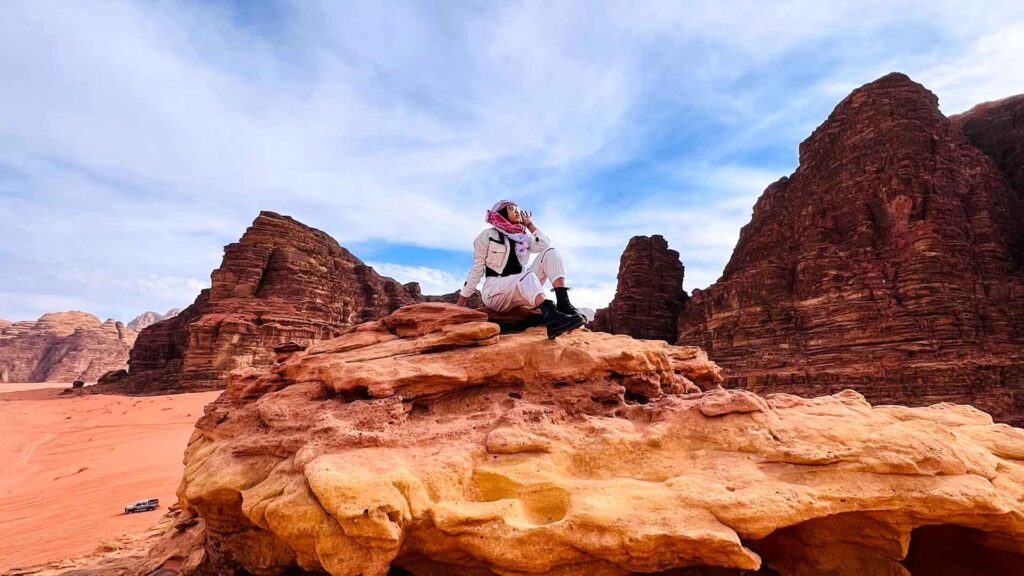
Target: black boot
564	306
557	322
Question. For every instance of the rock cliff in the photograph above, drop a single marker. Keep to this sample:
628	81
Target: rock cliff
649	295
282	281
997	129
62	347
889	262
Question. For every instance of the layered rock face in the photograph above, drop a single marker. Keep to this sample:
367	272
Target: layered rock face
428	442
62	347
147	319
997	129
649	295
889	262
282	281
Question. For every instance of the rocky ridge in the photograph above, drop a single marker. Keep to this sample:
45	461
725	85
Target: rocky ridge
649	295
889	262
282	281
62	347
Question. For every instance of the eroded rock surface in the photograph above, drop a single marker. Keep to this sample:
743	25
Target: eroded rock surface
282	281
430	443
649	295
997	129
889	262
62	347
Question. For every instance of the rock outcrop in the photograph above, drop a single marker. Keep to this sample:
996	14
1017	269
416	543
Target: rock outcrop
282	281
889	262
428	442
997	129
649	295
147	319
62	347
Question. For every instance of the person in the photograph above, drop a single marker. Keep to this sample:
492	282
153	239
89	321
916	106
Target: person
501	254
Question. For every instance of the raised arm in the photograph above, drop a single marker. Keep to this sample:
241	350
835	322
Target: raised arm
538	241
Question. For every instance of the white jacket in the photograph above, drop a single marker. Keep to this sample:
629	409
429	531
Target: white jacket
491	250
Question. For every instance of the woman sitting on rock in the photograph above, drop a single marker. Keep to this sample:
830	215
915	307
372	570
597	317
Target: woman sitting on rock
501	254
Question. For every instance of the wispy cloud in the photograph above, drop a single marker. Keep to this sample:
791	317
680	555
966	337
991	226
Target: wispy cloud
138	138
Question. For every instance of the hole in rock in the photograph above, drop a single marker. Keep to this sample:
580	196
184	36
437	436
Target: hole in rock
419	408
516	395
947	550
357	393
635	398
557	385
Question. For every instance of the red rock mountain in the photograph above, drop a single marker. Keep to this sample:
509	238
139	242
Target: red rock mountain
888	262
649	295
282	281
62	347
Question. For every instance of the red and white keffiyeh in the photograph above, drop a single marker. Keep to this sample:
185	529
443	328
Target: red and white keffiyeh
516	232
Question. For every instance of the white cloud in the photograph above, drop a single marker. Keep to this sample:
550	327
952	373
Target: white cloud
136	138
173	288
432	281
992	68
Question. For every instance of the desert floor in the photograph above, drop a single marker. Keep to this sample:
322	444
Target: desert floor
68	466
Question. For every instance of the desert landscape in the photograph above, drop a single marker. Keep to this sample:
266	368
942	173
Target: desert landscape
809	360
365	428
71	464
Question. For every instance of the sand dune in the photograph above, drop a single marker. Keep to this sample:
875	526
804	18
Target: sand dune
68	465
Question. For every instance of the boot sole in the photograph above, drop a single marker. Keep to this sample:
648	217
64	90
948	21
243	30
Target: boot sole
576	323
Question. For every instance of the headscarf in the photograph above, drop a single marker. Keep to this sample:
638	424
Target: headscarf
515	232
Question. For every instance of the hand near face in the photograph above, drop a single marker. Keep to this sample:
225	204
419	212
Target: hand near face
526	217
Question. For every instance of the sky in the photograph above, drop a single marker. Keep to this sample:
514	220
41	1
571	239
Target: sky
139	138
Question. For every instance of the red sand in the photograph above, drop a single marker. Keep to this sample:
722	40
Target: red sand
68	466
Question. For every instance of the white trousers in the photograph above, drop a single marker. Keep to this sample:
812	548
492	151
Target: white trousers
501	293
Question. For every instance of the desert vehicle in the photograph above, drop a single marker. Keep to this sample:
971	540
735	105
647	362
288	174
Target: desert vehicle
142	506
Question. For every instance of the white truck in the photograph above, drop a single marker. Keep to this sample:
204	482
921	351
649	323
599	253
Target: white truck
142	506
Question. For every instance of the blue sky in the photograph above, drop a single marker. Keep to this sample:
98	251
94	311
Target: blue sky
138	138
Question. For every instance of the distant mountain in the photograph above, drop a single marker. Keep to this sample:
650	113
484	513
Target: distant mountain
149	318
62	347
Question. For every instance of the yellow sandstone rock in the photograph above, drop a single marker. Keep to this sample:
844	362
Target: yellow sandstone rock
431	443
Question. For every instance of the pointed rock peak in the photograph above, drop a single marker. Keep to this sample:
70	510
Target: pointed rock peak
893	106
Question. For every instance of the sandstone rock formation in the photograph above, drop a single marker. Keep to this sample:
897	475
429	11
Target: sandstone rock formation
62	347
649	295
997	129
889	262
147	319
282	281
430	443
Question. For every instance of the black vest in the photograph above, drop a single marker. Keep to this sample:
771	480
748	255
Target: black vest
512	265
